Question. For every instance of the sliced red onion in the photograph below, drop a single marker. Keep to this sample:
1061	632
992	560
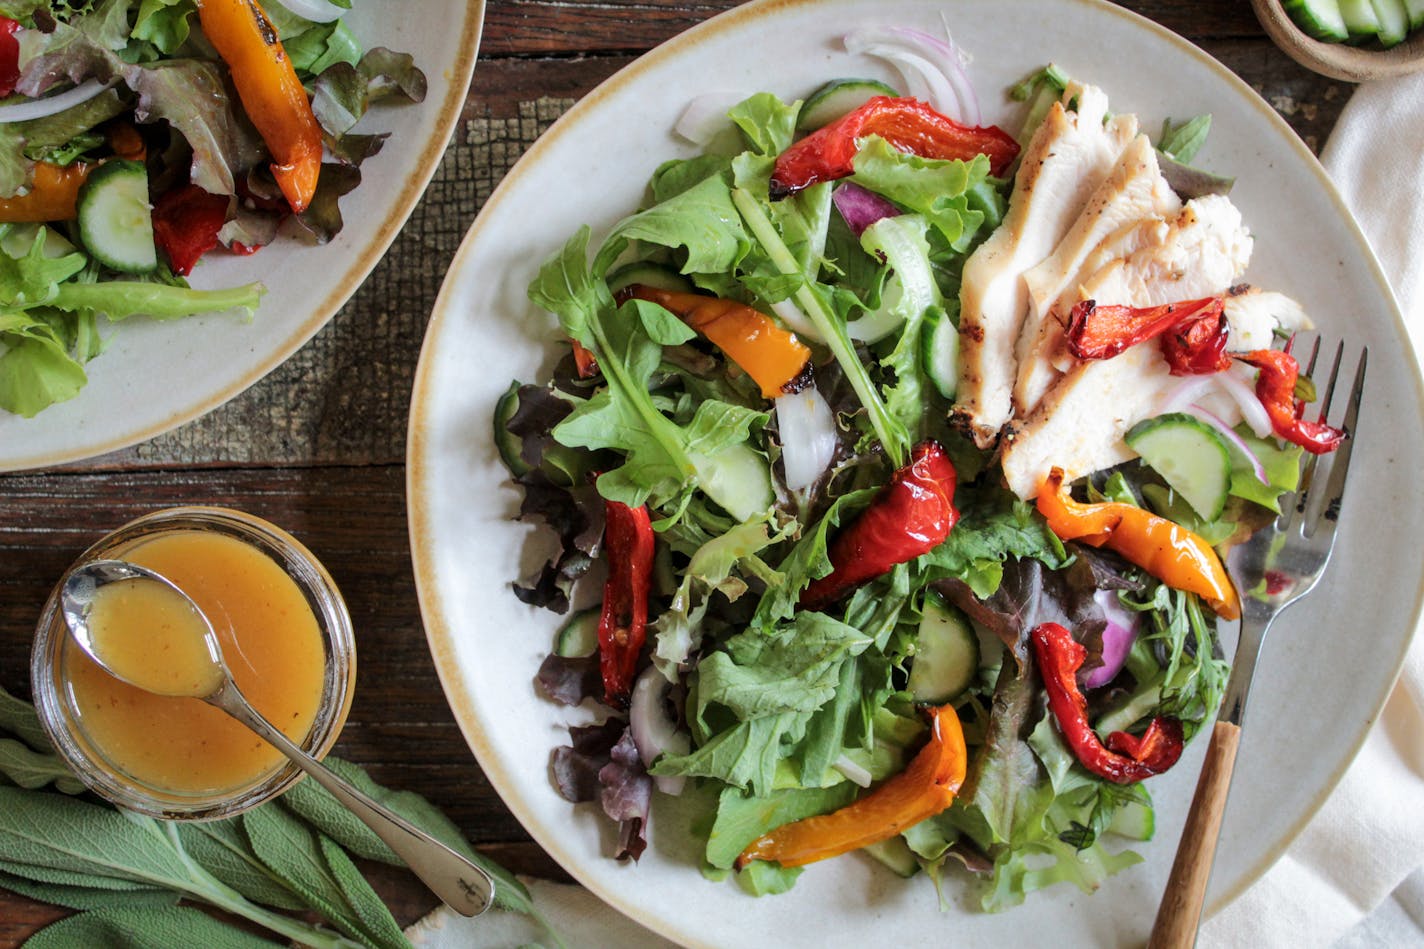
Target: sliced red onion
929	65
1118	637
861	207
1228	433
1243	393
706	116
808	436
652	731
853	771
318	11
51	105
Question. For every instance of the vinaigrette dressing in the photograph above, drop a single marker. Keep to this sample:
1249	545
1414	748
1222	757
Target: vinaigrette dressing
272	645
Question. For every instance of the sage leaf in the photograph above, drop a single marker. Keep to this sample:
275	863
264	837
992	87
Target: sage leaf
291	850
364	903
145	927
316	806
223	850
49	875
19	719
84	897
34	769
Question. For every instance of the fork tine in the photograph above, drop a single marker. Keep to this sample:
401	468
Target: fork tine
1314	353
1307	475
1340	463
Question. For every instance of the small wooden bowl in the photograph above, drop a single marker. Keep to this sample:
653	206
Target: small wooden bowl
1337	60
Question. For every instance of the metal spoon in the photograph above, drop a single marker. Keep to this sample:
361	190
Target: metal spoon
466	888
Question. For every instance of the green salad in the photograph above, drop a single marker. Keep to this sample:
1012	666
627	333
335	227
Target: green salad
826	619
137	137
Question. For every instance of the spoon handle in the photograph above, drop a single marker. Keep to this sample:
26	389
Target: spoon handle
462	885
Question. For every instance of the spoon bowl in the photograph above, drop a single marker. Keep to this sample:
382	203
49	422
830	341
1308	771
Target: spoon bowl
464	886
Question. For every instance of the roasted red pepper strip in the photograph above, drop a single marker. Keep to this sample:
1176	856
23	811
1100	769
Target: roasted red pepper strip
912	516
186	222
1193	332
922	790
1275	387
271	94
775	359
623	625
53	195
1168	551
907	124
1126	759
585	362
9	55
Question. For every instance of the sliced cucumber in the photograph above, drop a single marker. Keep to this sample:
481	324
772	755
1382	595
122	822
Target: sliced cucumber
1359	17
115	218
1134	821
838	97
946	653
1416	13
579	636
1190	456
507	442
649	275
1320	18
1393	21
896	854
941	351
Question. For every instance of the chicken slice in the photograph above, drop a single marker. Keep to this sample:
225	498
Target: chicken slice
1200	254
1080	424
1133	191
1069	156
1252	316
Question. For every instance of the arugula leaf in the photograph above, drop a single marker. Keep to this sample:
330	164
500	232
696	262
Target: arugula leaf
700	219
808	560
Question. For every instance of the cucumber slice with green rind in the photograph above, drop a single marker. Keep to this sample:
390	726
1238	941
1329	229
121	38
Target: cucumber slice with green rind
941	351
1190	456
838	97
649	275
946	654
1415	9
896	854
115	219
1393	21
508	443
1134	821
1359	17
579	636
1318	18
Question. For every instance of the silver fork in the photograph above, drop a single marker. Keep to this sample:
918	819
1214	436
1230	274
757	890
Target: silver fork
1278	565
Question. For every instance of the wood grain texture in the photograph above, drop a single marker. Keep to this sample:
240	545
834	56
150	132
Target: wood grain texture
1179	913
319	446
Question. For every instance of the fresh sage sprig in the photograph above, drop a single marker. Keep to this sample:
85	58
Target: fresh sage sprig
125	873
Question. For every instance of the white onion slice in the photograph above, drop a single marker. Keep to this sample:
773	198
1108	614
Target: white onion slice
51	105
1243	392
1221	425
800	324
653	733
853	771
936	62
808	436
706	116
1190	390
318	11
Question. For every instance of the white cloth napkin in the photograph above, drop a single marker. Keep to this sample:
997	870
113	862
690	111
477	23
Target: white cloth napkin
1332	885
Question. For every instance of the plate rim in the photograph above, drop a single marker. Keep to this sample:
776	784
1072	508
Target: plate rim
413	186
440	628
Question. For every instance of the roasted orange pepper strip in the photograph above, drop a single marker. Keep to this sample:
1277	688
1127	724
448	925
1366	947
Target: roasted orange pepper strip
774	358
1168	551
52	196
921	791
270	92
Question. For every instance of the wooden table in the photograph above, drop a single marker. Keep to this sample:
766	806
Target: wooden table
319	446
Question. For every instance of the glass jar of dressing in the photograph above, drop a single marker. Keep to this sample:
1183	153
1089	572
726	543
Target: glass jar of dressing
286	637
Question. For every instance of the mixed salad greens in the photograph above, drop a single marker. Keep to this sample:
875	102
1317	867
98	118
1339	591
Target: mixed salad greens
138	135
825	619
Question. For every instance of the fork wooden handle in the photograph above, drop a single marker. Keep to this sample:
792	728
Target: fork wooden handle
1179	914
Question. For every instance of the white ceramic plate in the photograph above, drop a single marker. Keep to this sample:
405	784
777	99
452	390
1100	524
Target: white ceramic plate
155	376
1325	671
